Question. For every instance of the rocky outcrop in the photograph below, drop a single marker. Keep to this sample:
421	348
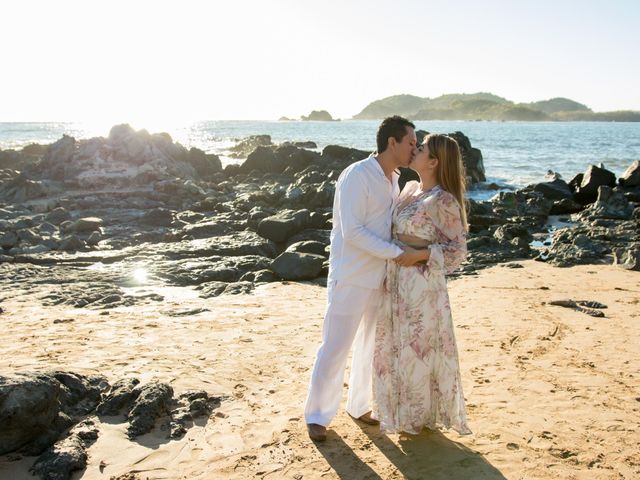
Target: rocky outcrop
37	408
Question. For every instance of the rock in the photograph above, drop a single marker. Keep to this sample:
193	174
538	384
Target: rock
27	235
60	460
207	230
262	159
295	158
343	154
79	394
29	410
47	228
280	227
94	238
263	276
565	206
471	158
631	176
58	215
119	398
305	144
8	240
555	190
152	401
249	144
158	217
59	154
628	258
35	408
510	231
71	243
609	204
593	178
297	266
308	246
204	164
86	224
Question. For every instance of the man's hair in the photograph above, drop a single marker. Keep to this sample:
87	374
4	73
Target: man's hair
395	127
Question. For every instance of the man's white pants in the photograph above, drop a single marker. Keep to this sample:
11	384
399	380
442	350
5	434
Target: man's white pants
350	314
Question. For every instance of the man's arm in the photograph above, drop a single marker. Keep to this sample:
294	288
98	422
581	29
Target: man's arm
353	207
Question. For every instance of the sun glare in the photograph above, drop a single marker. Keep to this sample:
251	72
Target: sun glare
140	275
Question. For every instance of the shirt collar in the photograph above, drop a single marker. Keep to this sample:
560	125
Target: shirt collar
376	166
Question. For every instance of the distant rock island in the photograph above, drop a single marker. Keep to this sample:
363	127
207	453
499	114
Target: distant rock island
487	106
319	115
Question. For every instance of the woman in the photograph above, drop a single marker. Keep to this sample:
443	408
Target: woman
416	373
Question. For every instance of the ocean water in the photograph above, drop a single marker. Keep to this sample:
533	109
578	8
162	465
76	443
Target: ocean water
515	153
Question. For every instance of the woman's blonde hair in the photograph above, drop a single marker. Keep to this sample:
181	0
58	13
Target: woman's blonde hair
450	172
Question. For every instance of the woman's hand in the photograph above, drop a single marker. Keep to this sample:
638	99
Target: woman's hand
411	256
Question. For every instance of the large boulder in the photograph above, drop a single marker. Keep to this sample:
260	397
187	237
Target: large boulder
631	176
556	189
594	177
280	227
204	164
297	266
262	159
471	158
36	408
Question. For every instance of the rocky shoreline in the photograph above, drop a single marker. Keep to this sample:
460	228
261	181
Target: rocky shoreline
139	201
98	223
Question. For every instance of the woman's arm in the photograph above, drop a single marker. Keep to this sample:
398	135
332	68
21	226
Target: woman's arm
450	249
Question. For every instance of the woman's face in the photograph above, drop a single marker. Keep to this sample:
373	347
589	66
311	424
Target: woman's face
422	161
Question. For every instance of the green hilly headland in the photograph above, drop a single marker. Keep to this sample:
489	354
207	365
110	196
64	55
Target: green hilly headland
487	106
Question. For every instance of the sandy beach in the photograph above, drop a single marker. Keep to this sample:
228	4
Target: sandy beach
551	392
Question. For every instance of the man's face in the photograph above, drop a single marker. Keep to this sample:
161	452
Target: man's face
406	149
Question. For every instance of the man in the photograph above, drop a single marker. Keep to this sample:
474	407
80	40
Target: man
365	195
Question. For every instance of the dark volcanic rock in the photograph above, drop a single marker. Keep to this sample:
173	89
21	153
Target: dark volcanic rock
555	190
593	178
120	396
565	206
262	159
36	408
29	410
631	176
204	164
283	225
58	215
344	154
308	246
158	217
609	204
297	266
152	401
67	455
628	258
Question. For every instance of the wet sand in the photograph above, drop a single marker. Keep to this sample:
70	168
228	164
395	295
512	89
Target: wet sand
551	392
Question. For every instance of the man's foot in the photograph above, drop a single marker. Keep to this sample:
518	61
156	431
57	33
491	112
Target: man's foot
368	419
317	433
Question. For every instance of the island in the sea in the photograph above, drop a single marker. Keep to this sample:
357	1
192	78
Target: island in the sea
487	106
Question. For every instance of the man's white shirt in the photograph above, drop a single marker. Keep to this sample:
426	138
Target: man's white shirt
361	234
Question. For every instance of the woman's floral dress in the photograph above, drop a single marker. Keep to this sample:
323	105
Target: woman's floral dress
416	378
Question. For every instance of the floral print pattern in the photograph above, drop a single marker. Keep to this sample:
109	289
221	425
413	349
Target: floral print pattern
416	375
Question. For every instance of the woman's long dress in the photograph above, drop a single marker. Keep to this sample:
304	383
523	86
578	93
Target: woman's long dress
416	379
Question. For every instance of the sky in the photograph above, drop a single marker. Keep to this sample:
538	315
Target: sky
187	60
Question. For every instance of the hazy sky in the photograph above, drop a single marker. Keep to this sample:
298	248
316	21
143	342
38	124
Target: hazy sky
187	60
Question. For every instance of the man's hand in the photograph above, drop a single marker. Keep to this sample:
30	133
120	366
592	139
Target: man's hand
411	256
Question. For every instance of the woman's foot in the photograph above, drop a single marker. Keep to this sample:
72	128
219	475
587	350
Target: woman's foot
368	419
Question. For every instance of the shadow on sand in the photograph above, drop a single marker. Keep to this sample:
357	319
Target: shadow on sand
430	455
